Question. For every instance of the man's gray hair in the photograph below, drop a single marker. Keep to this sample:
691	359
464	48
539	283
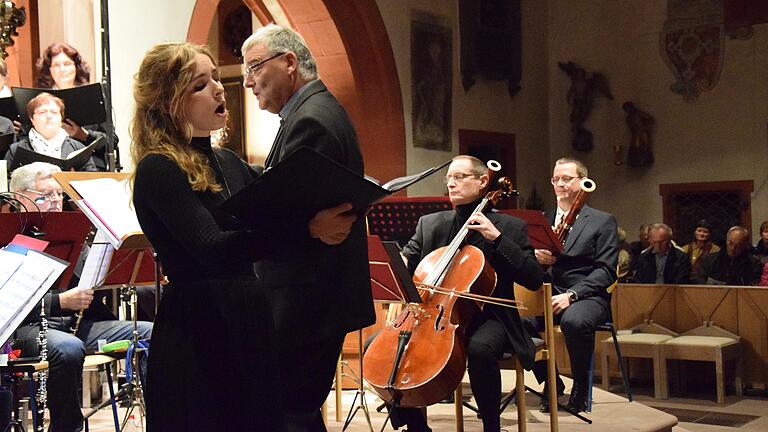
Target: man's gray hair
661	226
281	40
25	177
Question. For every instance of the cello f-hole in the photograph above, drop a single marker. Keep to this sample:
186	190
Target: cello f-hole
401	319
439	317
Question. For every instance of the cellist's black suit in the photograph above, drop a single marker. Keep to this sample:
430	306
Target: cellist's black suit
496	329
320	293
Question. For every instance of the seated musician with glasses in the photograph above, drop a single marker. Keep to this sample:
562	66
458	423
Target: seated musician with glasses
582	279
496	330
47	135
35	189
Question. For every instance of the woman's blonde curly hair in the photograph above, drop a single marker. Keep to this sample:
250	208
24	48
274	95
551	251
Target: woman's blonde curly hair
159	124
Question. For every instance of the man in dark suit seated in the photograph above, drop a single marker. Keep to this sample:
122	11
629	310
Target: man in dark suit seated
582	277
663	262
496	330
321	292
733	266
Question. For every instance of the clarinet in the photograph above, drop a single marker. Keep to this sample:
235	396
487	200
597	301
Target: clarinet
41	395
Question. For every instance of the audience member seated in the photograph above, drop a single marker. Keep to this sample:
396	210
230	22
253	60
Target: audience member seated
764	277
62	67
637	247
662	263
47	135
66	351
733	266
625	257
761	248
701	245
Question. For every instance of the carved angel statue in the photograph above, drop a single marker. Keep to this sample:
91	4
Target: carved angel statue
581	97
640	124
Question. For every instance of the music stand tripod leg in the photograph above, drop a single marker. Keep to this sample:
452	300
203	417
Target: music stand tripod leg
135	390
360	390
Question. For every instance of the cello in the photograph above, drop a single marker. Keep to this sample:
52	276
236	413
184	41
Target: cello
420	357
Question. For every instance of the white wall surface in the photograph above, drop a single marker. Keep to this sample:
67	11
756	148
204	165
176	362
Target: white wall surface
136	26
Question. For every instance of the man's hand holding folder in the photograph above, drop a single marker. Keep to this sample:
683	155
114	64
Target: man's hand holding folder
332	225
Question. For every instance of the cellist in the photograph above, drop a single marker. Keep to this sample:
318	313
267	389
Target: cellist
496	330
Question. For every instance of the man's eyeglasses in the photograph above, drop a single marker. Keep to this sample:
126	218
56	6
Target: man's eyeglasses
251	70
457	177
566	180
47	196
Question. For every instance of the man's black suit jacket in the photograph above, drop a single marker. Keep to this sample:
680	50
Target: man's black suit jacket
590	256
677	269
320	291
511	256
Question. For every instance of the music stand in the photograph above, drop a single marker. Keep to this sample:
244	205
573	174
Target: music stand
124	273
65	233
540	231
390	283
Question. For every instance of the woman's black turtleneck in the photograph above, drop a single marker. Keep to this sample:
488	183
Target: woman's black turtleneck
192	237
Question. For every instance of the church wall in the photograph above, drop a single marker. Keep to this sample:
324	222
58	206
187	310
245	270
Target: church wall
719	137
487	106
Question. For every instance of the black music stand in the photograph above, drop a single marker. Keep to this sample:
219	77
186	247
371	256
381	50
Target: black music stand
390	283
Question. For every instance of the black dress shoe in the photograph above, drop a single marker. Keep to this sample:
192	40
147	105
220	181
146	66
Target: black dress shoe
577	402
544	402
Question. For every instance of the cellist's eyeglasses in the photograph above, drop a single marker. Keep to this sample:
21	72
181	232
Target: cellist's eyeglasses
458	177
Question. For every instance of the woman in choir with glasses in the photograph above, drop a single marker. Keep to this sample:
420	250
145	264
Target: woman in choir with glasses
212	364
62	67
47	135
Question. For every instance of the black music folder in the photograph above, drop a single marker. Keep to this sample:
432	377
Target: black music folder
5	143
306	182
83	104
8	108
76	159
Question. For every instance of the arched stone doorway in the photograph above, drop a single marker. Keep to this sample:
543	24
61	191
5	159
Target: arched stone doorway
355	59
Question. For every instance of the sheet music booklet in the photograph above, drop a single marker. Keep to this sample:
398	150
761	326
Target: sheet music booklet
306	182
25	276
107	203
74	160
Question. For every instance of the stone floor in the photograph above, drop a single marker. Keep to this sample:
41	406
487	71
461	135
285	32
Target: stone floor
611	412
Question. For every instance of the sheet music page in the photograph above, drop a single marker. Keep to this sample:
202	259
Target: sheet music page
9	263
97	262
24	289
110	201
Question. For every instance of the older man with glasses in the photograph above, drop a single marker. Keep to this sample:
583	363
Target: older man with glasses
36	188
321	292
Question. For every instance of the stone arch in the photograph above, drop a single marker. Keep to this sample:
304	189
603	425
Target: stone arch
355	59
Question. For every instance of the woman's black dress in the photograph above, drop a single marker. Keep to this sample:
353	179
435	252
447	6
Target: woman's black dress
211	363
